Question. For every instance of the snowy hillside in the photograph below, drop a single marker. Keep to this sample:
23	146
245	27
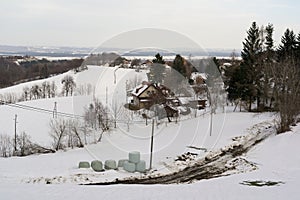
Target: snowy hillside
36	123
99	77
28	175
273	160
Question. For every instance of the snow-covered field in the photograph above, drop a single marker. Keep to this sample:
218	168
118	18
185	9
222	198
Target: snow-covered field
276	159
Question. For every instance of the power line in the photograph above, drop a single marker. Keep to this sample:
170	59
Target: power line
63	114
41	110
70	115
75	116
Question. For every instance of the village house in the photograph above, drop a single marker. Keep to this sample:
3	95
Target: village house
148	94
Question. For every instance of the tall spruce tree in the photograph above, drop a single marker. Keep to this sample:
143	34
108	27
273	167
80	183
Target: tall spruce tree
269	38
252	48
288	45
266	60
252	45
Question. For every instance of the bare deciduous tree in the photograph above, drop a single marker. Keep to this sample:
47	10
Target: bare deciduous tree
97	116
6	146
75	134
9	97
68	85
35	91
286	91
52	91
45	89
58	132
24	145
26	93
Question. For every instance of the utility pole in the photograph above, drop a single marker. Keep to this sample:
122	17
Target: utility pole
106	112
211	112
151	144
106	96
211	123
85	132
55	110
126	89
115	75
15	145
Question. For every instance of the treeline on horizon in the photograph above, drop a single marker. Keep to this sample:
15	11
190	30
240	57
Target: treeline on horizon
13	72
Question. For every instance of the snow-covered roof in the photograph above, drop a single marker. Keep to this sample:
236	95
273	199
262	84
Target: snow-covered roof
139	90
227	64
145	100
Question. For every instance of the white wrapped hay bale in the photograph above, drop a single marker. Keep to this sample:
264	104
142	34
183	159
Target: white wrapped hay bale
141	166
110	164
128	166
97	166
121	162
84	164
134	157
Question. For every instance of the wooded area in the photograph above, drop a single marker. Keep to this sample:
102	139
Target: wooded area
13	72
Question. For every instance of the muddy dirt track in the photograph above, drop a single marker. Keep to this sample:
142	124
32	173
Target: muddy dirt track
212	166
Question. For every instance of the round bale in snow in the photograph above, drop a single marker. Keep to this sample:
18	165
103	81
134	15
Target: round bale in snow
134	157
128	166
110	164
84	164
97	166
141	166
121	162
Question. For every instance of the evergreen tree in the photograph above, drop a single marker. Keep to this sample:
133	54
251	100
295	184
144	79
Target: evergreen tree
178	65
235	83
269	38
158	59
298	45
212	71
252	48
157	69
252	45
288	44
266	60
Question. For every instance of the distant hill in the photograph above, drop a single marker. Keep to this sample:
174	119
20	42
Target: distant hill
44	51
84	51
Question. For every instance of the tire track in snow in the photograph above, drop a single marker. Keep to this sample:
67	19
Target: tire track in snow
212	166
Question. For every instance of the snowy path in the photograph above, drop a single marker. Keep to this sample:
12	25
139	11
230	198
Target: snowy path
213	165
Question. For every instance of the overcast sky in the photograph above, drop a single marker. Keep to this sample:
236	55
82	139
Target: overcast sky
88	23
